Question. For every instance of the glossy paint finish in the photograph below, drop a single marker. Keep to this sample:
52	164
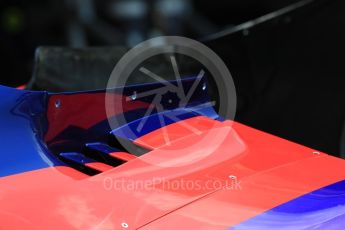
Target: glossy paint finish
132	131
23	124
78	118
320	209
268	175
99	166
123	156
172	133
47	124
215	175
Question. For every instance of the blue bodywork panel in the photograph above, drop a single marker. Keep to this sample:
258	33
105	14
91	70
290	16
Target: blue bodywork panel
327	204
23	125
27	118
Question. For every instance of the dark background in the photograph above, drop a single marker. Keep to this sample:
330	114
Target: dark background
26	25
289	71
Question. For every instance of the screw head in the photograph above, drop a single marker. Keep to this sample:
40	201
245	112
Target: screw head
232	177
58	103
204	87
124	225
316	153
134	96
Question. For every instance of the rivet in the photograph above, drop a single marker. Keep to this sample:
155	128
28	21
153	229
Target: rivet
232	177
316	153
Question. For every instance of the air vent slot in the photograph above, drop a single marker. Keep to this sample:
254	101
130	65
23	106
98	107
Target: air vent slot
108	153
84	164
96	158
131	147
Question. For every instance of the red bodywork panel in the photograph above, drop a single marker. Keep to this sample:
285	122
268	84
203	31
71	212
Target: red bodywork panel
238	171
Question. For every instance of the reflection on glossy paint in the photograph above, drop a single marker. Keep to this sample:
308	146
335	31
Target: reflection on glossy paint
80	215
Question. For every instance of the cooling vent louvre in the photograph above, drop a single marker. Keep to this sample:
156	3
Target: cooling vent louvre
96	158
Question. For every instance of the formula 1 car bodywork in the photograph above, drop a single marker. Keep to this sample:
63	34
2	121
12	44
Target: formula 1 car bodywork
61	169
